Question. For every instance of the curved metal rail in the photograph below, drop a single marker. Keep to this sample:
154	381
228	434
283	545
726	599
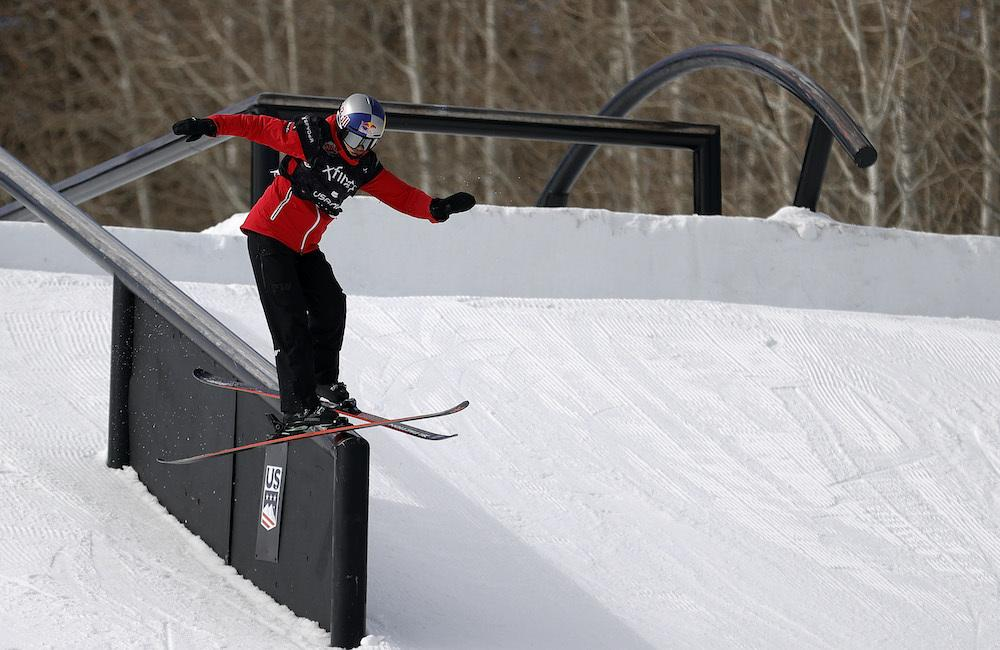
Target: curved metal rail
829	114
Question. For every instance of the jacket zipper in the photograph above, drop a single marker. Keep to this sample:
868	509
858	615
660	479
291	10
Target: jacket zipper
284	202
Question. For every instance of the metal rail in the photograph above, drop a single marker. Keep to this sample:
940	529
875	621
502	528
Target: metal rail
415	118
701	139
135	273
121	170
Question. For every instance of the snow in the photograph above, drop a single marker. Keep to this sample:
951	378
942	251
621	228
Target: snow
682	471
792	259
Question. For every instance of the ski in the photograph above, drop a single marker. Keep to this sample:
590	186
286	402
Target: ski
308	434
210	379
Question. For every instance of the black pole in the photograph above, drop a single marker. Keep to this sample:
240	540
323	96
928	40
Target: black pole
708	177
122	327
553	200
813	165
350	541
262	161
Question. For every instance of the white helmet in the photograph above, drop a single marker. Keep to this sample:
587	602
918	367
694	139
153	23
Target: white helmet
360	121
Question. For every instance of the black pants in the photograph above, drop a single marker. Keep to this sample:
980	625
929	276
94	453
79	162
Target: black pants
306	312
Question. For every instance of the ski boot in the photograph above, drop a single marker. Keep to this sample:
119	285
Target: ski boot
337	397
319	417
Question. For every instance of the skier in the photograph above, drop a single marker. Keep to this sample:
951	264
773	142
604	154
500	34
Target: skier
326	161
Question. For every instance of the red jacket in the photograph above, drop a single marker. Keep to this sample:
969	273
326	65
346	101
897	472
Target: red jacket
297	223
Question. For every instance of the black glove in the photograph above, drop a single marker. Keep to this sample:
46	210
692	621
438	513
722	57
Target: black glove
441	209
195	127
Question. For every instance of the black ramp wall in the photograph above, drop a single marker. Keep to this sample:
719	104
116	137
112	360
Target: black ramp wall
171	415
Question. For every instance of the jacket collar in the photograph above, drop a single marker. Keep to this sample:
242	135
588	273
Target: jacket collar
348	158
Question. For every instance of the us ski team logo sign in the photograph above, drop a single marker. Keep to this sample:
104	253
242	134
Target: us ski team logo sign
272	497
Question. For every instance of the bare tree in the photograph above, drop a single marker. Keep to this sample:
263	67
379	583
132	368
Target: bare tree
95	78
873	95
904	167
412	69
292	43
989	54
130	105
268	45
628	72
489	90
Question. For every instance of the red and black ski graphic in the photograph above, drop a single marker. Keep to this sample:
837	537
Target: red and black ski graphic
210	379
310	434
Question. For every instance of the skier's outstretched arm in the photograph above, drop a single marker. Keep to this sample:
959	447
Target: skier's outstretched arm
389	189
269	131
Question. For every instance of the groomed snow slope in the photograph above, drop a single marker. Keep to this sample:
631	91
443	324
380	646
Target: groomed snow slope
631	474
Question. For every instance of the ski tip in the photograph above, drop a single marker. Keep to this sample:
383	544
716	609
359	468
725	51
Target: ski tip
178	461
433	437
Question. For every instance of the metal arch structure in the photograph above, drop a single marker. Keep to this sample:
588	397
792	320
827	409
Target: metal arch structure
830	121
701	139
